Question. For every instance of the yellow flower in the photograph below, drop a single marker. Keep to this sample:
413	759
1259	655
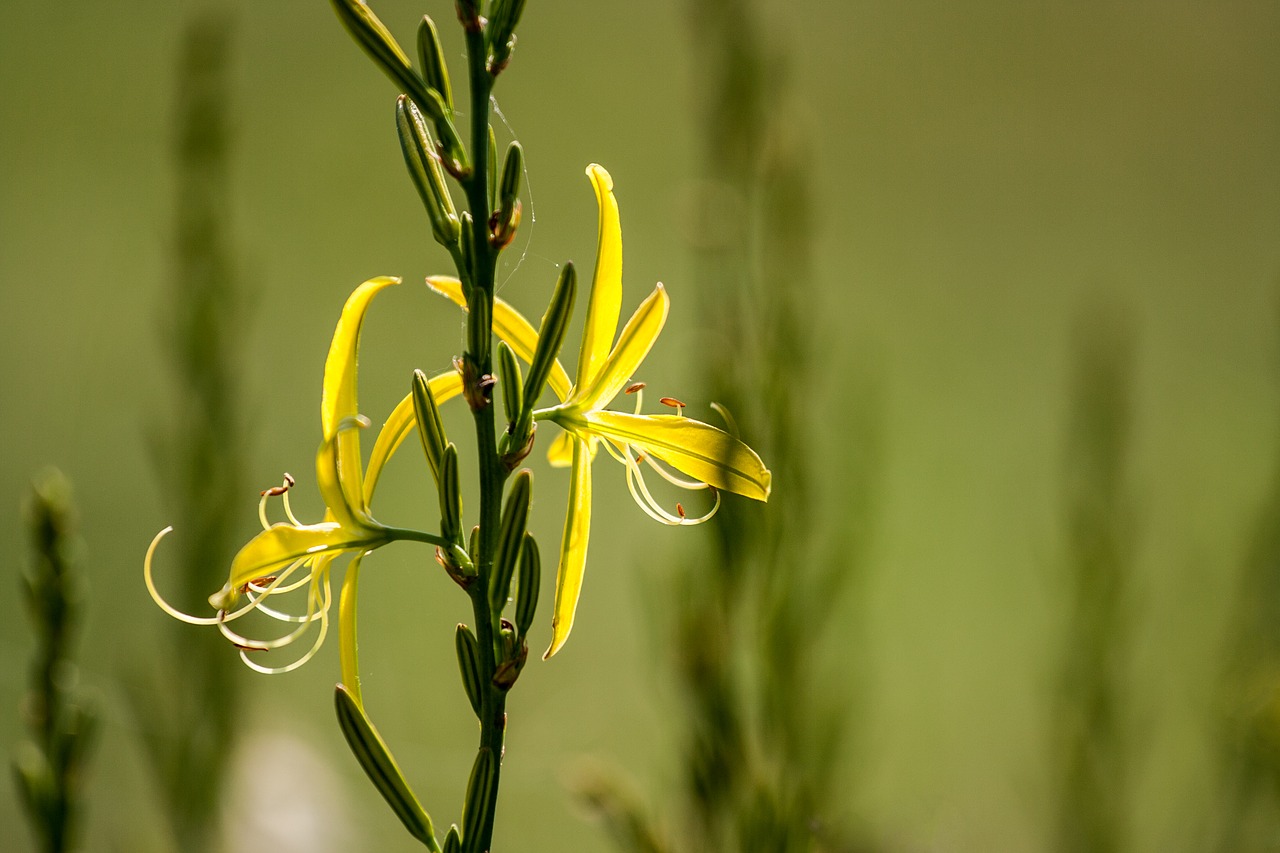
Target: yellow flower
714	459
291	555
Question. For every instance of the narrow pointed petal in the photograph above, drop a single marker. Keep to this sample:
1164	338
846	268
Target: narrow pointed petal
510	326
633	345
400	423
283	544
699	450
573	548
605	303
347	645
338	397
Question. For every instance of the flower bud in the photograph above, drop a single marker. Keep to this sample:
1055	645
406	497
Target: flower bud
434	69
515	518
529	583
475	809
450	495
430	426
500	34
469	665
511	381
424	169
377	41
551	334
452	841
378	763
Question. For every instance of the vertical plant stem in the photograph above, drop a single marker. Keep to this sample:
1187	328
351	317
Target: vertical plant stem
492	473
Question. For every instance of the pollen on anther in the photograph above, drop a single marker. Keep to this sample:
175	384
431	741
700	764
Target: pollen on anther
277	491
259	583
633	388
671	401
680	510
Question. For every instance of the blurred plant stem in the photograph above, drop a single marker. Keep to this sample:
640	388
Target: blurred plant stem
49	767
186	704
763	724
1248	726
1087	722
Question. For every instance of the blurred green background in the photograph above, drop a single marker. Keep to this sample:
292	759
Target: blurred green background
990	180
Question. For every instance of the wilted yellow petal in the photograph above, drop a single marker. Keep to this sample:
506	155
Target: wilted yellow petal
606	286
699	450
573	548
633	345
400	423
510	326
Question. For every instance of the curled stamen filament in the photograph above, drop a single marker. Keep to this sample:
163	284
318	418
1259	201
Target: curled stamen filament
640	490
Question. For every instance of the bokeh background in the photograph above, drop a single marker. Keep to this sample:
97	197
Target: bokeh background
1007	198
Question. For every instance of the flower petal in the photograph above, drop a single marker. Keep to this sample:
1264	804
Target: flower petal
573	548
400	423
510	326
605	302
347	627
633	345
283	544
692	447
338	397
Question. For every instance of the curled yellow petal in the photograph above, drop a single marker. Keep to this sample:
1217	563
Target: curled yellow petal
510	326
338	397
605	303
699	450
573	548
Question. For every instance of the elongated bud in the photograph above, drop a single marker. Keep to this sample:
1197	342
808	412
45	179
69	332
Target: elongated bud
378	763
512	174
501	33
493	171
469	15
469	664
475	810
506	213
511	381
450	495
434	69
424	169
430	426
452	841
515	651
551	334
377	41
468	252
453	154
530	581
515	518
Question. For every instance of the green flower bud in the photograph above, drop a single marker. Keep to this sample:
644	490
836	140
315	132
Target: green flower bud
469	665
475	809
529	582
434	69
430	426
453	841
376	760
377	41
551	334
511	381
515	518
424	169
450	495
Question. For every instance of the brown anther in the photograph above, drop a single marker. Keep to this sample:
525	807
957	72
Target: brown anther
247	648
680	510
671	401
264	581
631	389
277	491
641	458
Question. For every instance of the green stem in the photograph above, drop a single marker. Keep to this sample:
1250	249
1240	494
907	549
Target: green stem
492	473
